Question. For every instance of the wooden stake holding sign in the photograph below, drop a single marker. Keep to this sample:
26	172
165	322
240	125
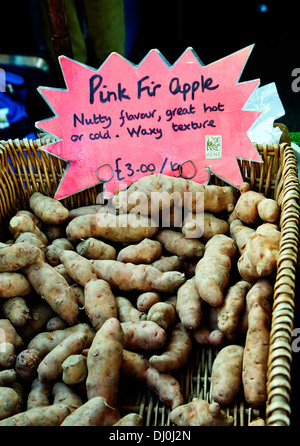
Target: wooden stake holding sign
122	121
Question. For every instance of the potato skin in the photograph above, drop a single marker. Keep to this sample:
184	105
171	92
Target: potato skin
78	268
134	366
204	226
99	302
226	374
63	394
142	277
189	305
7	355
175	243
213	270
127	311
39	394
8	333
74	369
200	413
163	314
165	386
155	188
47	209
13	284
9	402
231	309
92	413
131	419
177	351
16	256
44	342
93	248
27	363
16	310
103	363
7	377
111	227
143	335
52	415
51	366
255	360
48	283
146	251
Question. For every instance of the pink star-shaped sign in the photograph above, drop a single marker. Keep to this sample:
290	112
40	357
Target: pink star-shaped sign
124	121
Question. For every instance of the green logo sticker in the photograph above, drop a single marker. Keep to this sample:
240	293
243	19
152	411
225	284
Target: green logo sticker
213	146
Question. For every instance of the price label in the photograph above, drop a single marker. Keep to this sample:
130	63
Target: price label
124	121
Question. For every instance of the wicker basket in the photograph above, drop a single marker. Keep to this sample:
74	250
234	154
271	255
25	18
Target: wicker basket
25	169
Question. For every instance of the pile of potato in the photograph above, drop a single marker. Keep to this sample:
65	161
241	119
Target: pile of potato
90	299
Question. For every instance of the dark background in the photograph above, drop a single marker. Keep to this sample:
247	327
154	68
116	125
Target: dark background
213	29
217	29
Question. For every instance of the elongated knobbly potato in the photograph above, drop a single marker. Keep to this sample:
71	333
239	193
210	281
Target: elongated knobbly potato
50	367
39	394
213	270
23	223
226	377
189	305
131	419
93	248
146	251
255	360
259	258
200	413
165	386
78	268
145	335
127	311
47	209
232	307
99	302
252	206
163	314
44	342
128	276
117	228
103	362
153	192
16	256
52	415
9	402
177	244
49	284
177	350
135	367
93	412
13	284
74	369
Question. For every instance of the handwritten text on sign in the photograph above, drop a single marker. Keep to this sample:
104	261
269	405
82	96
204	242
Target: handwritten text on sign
122	122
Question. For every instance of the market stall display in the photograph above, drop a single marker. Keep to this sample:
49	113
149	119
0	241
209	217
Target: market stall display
157	394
